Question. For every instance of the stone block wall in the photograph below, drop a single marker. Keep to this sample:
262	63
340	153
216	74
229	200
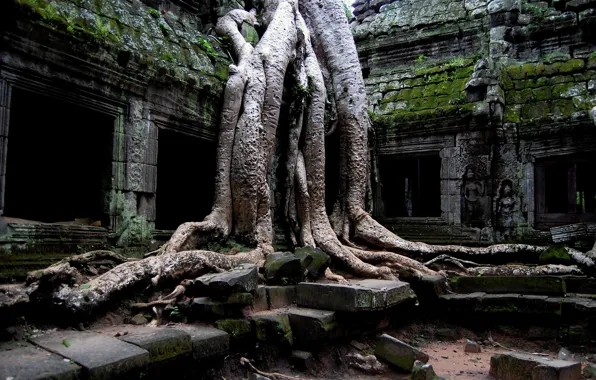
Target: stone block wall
497	89
149	65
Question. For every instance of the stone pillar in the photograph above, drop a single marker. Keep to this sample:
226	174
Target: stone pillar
450	185
132	199
4	119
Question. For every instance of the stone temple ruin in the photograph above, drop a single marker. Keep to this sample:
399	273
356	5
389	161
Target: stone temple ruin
485	132
483	113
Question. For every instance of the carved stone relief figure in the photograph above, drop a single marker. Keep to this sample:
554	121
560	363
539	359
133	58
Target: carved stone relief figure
475	202
506	209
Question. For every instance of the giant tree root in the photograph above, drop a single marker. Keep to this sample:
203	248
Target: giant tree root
128	276
524	270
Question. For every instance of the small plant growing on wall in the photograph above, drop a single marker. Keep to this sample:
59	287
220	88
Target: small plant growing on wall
154	13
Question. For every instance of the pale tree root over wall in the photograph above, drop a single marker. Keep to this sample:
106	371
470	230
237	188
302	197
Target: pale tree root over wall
310	42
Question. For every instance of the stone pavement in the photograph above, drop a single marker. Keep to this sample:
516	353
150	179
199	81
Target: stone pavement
62	355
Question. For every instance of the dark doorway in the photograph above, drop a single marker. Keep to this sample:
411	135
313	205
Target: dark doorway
411	186
185	179
59	160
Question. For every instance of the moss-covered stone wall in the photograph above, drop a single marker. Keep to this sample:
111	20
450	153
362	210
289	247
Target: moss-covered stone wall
422	98
491	88
547	97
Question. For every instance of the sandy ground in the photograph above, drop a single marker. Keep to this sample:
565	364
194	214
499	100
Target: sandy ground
450	361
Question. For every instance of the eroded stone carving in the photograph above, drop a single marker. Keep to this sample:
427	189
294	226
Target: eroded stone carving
507	206
475	202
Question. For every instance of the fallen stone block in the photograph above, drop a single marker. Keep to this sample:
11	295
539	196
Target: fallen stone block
23	361
312	326
273	327
281	296
301	360
398	353
360	296
161	343
282	268
139	320
513	366
207	342
314	261
421	371
565	354
101	356
242	279
472	347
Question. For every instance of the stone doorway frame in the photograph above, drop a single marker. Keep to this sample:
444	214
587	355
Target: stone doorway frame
11	78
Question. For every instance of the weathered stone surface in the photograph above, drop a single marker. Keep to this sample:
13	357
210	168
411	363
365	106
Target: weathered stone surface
260	303
360	296
102	356
207	342
161	343
242	279
282	268
472	347
139	319
312	326
281	296
23	361
313	260
237	328
273	327
429	288
422	371
398	353
522	366
515	284
205	308
301	360
564	354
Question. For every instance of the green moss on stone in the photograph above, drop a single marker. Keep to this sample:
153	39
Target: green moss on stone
555	254
512	114
571	65
235	327
543	93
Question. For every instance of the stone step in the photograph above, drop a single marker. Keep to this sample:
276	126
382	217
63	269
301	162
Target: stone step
541	285
311	326
547	309
365	295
